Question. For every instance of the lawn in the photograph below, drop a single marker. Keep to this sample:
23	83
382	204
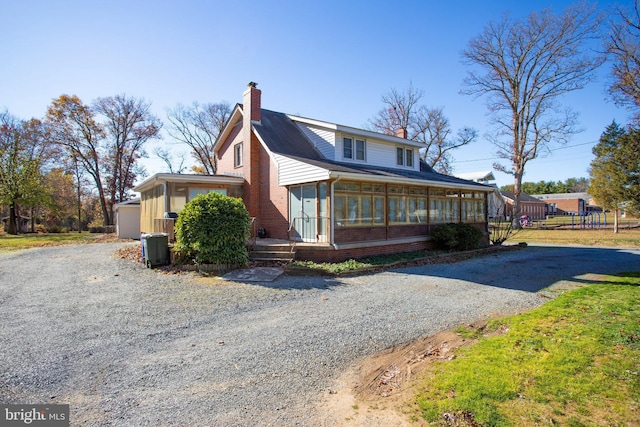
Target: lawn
25	241
589	237
574	361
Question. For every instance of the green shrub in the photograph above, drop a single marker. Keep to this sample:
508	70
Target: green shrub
457	236
57	229
213	229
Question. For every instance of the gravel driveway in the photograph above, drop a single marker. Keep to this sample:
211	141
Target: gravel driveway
128	346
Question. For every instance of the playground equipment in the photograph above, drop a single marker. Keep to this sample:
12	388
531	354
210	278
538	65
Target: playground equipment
589	220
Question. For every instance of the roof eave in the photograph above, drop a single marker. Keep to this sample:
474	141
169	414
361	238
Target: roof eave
407	181
356	131
236	114
161	178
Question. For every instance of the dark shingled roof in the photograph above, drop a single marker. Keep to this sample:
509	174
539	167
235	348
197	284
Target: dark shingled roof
283	136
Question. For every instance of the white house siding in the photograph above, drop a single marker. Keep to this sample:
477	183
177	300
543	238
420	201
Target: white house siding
379	154
295	172
324	140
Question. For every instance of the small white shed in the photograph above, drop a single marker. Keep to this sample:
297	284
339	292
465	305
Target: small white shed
128	219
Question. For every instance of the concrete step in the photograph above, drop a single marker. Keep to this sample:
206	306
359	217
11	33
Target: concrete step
271	255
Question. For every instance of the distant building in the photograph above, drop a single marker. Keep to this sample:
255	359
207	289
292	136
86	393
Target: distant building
23	223
529	205
568	203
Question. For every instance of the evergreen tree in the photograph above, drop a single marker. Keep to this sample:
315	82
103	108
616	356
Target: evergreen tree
615	172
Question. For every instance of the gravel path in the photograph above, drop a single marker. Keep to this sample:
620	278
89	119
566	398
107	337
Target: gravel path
128	346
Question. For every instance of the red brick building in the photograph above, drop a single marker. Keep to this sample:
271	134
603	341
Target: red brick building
534	208
568	203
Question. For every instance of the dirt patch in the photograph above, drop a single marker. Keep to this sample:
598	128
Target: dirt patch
381	390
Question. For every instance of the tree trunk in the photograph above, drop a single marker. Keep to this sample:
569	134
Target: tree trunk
79	209
517	185
105	210
615	220
13	223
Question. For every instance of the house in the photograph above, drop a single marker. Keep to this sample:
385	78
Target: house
338	191
568	203
495	201
531	206
163	195
128	219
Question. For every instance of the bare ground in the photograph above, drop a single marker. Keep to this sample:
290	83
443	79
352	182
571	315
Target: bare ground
381	390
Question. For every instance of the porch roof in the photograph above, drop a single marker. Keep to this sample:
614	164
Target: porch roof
161	178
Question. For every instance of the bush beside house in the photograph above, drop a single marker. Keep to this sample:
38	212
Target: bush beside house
213	229
457	236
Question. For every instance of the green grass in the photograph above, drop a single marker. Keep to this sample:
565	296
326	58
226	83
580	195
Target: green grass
624	238
573	361
358	264
10	243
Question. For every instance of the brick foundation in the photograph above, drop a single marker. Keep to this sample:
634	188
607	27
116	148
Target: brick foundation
333	255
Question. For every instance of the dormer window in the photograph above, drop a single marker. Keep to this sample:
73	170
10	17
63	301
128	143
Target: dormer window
404	157
353	148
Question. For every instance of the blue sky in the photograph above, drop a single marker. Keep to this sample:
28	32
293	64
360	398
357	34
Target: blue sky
328	60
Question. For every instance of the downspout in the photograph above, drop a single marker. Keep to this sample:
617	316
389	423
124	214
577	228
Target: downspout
333	221
166	198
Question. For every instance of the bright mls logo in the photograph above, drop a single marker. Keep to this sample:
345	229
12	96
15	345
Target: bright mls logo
34	415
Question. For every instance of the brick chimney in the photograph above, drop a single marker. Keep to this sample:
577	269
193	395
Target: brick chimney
401	133
251	102
251	115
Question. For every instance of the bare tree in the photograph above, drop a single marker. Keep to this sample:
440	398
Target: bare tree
428	126
433	130
523	67
198	126
623	46
128	124
167	157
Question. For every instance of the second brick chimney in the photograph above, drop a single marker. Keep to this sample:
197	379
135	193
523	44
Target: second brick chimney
251	102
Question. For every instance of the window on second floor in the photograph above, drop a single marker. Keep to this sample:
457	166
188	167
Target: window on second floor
404	157
409	155
237	155
354	149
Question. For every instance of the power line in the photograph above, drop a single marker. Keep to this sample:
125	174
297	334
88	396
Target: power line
502	158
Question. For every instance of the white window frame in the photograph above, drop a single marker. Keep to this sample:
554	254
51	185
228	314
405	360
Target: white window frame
399	156
237	155
406	159
355	152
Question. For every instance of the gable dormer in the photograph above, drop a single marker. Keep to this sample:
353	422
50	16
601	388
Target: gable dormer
351	145
376	149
